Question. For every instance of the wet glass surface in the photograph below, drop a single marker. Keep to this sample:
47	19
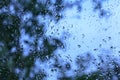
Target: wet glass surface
59	40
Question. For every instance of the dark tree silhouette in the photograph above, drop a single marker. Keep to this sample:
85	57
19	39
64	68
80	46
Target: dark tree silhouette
11	25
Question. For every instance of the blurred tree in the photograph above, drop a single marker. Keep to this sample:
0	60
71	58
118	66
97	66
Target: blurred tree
19	18
18	15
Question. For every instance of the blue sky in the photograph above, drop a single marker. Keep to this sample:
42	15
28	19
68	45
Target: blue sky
82	32
89	30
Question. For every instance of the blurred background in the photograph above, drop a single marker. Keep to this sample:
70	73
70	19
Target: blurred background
59	40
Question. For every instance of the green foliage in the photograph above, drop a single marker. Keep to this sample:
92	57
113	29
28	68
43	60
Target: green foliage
6	74
65	78
92	76
11	25
4	3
